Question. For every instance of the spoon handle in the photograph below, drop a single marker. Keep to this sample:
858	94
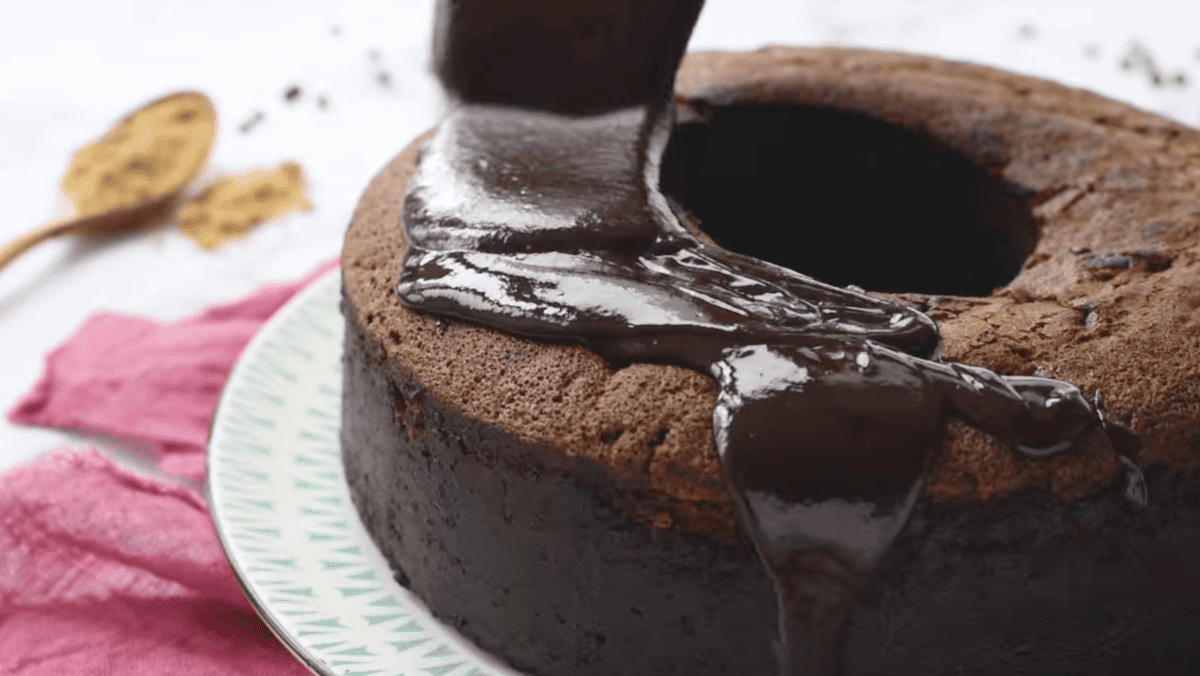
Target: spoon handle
34	237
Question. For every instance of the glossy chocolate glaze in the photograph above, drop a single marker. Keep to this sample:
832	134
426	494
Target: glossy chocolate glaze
536	210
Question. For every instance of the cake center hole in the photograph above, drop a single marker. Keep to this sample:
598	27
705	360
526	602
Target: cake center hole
848	199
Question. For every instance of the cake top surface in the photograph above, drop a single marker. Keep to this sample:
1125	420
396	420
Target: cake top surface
599	402
536	208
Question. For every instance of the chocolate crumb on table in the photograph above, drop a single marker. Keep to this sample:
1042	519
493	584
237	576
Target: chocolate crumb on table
251	122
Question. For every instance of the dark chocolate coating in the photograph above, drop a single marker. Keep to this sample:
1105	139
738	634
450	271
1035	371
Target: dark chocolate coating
536	210
584	55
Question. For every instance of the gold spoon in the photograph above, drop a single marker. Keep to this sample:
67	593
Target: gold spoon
134	174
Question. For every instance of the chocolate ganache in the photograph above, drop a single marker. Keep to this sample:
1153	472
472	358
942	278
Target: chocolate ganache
536	210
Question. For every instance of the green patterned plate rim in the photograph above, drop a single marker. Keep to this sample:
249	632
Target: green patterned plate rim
283	513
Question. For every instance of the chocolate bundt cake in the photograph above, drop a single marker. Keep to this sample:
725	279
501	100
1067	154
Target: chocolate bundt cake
568	510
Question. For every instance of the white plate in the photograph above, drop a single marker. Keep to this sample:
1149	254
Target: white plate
283	513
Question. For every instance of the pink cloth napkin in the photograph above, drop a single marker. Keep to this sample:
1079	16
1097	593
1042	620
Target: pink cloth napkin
105	572
139	378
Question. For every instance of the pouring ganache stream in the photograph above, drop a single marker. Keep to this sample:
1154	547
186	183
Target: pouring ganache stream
535	210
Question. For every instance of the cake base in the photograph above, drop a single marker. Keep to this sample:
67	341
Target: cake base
535	557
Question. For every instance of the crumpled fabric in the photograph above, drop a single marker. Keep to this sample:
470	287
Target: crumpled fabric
143	379
103	572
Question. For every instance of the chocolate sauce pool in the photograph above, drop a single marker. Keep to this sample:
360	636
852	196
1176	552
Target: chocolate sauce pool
535	210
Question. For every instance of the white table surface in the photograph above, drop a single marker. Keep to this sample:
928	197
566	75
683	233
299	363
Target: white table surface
70	68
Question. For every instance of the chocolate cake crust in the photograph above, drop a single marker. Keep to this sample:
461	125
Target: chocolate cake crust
443	421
